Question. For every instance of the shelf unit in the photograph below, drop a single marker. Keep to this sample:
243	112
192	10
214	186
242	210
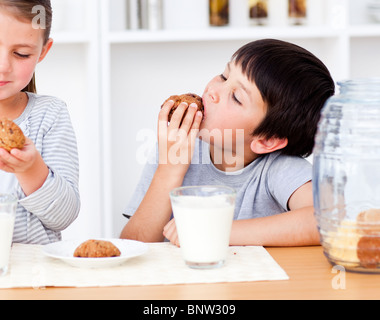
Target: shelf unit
121	78
71	72
220	34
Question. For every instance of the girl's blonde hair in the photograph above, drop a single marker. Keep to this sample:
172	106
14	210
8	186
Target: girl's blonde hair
24	10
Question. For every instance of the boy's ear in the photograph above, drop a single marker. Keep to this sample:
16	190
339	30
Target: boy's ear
261	145
45	50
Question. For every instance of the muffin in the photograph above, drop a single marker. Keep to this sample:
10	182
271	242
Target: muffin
369	222
369	244
97	249
11	136
369	252
189	98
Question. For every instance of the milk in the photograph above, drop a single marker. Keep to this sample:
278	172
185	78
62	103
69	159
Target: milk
204	228
7	222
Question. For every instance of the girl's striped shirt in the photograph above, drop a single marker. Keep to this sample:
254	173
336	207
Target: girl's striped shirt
44	214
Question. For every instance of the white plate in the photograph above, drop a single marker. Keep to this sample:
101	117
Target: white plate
64	251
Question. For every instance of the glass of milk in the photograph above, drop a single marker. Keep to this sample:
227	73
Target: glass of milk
203	217
8	205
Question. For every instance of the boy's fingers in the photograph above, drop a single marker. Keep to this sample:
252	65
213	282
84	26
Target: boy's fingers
198	120
178	115
170	232
196	125
165	110
168	229
175	241
189	118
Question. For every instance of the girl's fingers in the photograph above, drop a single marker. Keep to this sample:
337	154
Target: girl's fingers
5	167
5	161
5	156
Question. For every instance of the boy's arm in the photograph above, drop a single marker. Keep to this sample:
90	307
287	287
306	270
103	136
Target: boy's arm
294	228
154	211
178	137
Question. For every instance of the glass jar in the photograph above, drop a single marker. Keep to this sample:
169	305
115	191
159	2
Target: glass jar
297	11
346	177
258	12
219	12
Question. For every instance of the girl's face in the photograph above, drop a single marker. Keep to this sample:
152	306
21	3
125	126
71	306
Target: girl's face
21	48
232	102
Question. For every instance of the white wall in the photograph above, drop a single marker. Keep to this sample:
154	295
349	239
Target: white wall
143	75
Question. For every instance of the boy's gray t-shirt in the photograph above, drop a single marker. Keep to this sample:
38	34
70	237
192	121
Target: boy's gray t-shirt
263	187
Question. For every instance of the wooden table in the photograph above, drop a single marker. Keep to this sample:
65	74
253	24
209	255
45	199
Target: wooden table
311	277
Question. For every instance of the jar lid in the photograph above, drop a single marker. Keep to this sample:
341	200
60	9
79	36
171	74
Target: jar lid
368	86
374	6
363	81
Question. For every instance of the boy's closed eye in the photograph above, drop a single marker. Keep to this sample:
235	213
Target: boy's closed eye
236	99
233	94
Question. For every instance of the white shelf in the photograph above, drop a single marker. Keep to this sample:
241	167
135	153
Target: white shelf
366	30
222	34
71	37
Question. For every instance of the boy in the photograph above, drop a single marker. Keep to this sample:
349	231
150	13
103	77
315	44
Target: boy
265	106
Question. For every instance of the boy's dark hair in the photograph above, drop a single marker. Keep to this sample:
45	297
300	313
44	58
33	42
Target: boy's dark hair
295	86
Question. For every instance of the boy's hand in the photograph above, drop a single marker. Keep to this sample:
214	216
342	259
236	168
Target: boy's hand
176	140
170	233
176	143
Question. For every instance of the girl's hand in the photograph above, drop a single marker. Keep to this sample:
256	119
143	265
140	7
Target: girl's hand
27	165
18	161
176	140
170	233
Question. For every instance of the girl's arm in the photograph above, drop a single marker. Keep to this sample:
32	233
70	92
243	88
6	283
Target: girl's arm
27	165
176	145
48	171
57	202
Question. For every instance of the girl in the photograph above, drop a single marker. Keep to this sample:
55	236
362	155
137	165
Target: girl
44	174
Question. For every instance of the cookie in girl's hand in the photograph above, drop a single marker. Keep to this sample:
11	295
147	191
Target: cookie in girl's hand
189	98
11	136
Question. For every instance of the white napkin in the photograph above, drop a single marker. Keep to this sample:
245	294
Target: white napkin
161	265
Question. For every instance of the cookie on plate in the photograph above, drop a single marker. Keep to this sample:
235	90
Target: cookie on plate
97	249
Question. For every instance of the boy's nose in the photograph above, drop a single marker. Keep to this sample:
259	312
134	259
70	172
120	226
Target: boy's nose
213	95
